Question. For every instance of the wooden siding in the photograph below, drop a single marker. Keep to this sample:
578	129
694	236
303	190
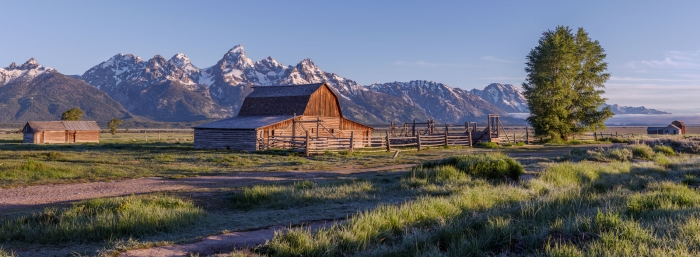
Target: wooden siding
53	137
323	103
229	139
84	137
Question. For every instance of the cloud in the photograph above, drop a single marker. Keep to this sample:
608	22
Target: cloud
633	79
430	64
496	59
672	60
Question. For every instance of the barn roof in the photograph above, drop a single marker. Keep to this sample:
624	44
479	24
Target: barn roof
278	100
81	125
38	126
245	122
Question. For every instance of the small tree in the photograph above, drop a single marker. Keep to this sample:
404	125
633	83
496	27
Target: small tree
565	78
113	125
72	114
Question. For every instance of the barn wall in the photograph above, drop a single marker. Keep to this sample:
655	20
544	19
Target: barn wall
87	136
28	138
54	137
323	103
225	139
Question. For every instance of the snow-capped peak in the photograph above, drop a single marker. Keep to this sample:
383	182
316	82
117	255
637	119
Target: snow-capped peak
237	49
27	71
30	64
181	61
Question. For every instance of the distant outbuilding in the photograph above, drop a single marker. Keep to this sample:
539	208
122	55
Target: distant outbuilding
291	112
59	132
675	128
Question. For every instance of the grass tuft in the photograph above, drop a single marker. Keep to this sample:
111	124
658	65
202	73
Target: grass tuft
642	152
488	166
99	219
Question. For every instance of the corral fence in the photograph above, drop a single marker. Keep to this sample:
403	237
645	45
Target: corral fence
317	145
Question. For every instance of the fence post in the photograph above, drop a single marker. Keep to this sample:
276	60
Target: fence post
595	136
388	145
447	132
308	144
527	135
470	139
418	138
413	130
352	141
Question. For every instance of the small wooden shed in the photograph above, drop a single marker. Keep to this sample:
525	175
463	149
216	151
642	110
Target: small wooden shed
675	128
281	111
58	132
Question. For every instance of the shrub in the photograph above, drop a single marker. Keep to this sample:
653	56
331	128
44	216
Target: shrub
489	145
664	149
678	145
436	174
489	166
642	152
600	155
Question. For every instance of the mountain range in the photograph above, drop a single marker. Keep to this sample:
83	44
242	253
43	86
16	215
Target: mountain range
174	90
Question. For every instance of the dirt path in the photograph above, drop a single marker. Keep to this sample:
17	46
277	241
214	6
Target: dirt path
33	196
224	243
51	194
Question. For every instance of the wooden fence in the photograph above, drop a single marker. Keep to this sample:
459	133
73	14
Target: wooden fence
313	145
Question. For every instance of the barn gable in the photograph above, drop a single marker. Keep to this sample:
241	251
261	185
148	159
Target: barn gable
311	100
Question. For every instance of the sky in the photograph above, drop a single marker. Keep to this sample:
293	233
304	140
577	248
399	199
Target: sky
652	47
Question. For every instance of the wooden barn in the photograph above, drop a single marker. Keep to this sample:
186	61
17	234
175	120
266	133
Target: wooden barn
60	132
675	128
278	117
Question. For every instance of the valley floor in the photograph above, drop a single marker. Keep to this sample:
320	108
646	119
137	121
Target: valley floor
208	197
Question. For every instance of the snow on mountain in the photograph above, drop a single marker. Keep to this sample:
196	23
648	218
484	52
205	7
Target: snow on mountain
504	96
138	86
25	72
439	101
619	109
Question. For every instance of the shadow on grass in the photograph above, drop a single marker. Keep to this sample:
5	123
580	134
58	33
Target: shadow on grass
589	216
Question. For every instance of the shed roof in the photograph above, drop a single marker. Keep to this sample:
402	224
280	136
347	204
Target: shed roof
81	125
245	122
672	126
278	100
38	126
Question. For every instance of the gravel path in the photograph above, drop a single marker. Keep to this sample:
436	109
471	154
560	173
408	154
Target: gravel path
33	196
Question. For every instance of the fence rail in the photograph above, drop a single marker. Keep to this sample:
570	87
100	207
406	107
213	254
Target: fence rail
315	145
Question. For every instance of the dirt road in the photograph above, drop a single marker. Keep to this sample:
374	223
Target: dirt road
51	194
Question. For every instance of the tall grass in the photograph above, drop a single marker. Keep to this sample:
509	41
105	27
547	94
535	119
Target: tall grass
101	219
572	209
489	166
300	194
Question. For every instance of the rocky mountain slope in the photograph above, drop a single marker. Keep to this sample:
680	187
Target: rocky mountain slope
219	90
160	89
504	96
35	92
439	101
618	109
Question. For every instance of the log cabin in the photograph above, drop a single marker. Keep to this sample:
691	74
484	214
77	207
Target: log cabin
61	132
274	112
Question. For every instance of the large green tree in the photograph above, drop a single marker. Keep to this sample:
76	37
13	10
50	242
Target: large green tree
72	114
564	85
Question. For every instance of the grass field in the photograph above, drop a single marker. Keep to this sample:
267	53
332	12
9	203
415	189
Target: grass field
627	201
